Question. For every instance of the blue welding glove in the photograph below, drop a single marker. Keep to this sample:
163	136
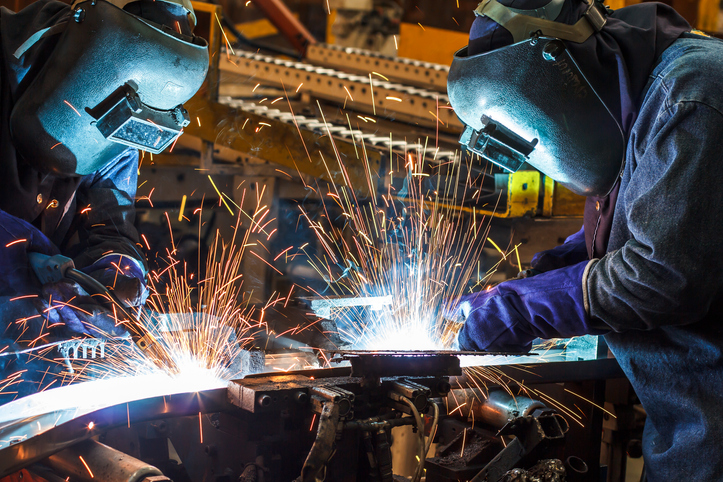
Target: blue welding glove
18	283
572	251
511	315
29	310
122	274
70	305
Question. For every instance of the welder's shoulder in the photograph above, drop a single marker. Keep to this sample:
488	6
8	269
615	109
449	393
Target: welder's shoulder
690	70
36	12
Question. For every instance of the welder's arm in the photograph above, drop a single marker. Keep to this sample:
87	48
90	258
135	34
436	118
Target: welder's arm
672	270
572	251
33	314
108	246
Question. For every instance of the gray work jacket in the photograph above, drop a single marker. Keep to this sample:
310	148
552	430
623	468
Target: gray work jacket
660	284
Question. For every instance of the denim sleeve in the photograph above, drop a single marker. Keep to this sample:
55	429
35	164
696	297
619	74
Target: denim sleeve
106	201
670	269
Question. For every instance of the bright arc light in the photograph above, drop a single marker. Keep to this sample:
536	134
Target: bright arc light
415	337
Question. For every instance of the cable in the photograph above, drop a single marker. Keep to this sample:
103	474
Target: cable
420	431
433	428
87	281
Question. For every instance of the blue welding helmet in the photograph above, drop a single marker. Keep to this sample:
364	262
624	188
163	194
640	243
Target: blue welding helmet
118	76
530	101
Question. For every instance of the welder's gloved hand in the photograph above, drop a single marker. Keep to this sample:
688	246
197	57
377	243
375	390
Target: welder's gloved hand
512	314
17	239
42	309
70	305
572	251
122	274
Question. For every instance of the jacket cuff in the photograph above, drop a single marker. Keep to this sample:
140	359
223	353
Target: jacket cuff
585	297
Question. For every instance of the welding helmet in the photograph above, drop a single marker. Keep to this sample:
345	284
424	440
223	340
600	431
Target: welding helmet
529	102
118	76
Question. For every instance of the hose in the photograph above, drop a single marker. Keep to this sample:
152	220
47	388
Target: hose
433	428
422	444
323	447
94	286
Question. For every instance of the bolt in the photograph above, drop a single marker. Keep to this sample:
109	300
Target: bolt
552	50
79	15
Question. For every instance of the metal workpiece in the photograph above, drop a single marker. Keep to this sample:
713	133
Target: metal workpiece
398	69
364	93
323	307
91	460
382	422
495	408
373	365
39	445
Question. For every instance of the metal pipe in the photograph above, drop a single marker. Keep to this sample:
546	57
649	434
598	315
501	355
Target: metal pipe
90	461
495	408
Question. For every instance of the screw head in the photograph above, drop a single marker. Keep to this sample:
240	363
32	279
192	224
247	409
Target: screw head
79	14
552	50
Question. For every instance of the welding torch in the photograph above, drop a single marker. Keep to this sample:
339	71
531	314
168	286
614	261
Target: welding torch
51	269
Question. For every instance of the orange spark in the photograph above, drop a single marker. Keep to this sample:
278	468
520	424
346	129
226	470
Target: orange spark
71	106
86	466
17	241
200	426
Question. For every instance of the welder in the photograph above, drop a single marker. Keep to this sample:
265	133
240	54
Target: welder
625	108
83	88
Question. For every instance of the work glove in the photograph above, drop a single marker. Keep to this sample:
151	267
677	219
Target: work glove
29	310
511	315
123	275
69	304
572	251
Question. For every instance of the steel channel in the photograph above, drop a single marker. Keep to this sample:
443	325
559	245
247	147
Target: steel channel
417	105
398	69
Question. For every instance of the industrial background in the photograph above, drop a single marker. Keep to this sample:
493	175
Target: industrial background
293	88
